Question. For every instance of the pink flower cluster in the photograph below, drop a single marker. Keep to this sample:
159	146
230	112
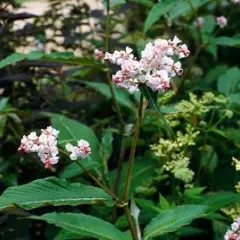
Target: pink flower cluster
234	232
222	21
82	150
155	68
45	145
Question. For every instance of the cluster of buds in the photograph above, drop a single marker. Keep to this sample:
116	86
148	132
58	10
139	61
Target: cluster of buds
44	145
155	68
221	21
234	232
46	148
82	149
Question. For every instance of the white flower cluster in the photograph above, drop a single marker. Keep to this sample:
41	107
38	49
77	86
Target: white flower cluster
234	232
222	21
45	145
155	68
82	150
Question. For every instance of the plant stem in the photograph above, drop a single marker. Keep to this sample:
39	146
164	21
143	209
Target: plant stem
132	152
117	107
131	223
96	181
106	189
129	172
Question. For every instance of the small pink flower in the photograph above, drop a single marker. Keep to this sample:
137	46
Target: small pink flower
199	21
222	21
82	150
99	54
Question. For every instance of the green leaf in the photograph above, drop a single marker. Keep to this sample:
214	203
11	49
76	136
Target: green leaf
106	145
73	169
209	160
235	98
214	73
163	203
229	82
64	235
121	96
15	57
71	131
182	7
152	99
218	200
193	192
209	24
156	12
115	3
51	192
173	219
228	41
147	3
61	57
84	225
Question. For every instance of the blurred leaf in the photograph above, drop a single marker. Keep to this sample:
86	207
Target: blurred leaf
209	24
71	131
51	192
84	225
73	169
213	74
121	96
228	41
235	98
182	7
106	144
156	12
61	57
117	2
229	82
163	203
189	231
147	3
15	57
142	170
173	219
194	192
219	229
218	200
64	235
209	160
152	100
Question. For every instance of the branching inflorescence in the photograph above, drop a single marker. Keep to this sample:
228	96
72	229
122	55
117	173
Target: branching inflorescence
155	68
46	148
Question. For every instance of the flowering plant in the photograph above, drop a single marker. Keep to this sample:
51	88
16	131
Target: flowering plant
139	149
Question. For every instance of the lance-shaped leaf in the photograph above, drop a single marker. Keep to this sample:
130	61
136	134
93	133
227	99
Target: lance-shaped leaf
84	225
173	219
51	191
152	99
66	58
